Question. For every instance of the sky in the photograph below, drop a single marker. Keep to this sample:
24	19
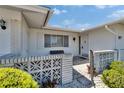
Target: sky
84	16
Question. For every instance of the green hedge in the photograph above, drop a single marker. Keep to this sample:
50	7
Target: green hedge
119	66
15	78
114	77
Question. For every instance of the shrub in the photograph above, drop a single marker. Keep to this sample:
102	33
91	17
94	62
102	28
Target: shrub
119	66
114	77
15	78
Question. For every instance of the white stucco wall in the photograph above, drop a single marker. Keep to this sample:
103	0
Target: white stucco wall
12	19
15	37
101	39
5	42
119	29
25	37
36	42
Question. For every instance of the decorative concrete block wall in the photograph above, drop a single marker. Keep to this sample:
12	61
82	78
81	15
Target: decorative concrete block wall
103	58
53	67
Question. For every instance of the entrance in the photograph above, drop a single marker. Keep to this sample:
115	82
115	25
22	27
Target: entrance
84	45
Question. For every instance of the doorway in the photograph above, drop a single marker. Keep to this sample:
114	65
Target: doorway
84	45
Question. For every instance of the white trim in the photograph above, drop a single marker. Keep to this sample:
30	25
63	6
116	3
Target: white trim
61	29
34	8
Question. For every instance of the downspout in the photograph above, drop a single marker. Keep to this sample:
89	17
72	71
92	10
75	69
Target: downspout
110	30
116	34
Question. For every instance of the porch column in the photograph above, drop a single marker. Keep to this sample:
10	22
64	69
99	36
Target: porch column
67	71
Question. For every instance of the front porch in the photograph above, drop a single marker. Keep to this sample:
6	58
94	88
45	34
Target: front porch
69	71
80	77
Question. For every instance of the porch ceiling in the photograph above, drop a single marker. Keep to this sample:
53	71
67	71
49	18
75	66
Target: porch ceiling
34	19
35	16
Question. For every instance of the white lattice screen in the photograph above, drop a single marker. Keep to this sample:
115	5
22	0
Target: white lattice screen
53	67
41	68
44	69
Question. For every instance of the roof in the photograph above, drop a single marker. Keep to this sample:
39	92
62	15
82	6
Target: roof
32	8
38	17
61	29
120	20
35	16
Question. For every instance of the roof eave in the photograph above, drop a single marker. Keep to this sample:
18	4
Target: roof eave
102	25
61	29
33	9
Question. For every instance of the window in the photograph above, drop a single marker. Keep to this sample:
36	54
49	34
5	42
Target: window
56	40
47	41
53	40
65	41
59	41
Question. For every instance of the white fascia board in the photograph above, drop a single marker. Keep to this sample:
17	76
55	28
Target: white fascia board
61	29
31	8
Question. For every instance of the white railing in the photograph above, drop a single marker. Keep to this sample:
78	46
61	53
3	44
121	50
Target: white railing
42	68
102	59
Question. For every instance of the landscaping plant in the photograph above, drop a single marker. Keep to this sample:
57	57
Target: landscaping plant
49	84
114	77
15	78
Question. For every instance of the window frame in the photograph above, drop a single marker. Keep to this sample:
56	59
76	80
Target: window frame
57	45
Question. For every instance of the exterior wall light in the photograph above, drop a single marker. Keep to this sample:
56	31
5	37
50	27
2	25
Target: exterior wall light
74	39
119	37
2	24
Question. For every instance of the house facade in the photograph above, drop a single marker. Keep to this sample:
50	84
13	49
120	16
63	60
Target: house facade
26	35
106	37
26	42
42	41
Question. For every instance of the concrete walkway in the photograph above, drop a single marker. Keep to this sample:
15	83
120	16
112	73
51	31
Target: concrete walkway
80	77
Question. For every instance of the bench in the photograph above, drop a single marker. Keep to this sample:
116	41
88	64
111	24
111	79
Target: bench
57	52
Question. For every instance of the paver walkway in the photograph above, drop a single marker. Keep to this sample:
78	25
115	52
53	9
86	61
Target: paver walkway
80	77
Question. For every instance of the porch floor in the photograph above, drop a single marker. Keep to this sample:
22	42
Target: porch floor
80	77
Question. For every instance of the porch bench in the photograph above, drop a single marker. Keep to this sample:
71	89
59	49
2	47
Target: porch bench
57	52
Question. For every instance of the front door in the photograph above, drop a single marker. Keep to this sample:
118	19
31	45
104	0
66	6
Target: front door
84	44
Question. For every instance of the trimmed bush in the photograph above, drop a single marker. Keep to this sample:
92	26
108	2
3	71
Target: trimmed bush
114	77
119	66
15	78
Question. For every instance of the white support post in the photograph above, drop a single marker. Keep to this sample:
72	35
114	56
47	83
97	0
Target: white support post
67	71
